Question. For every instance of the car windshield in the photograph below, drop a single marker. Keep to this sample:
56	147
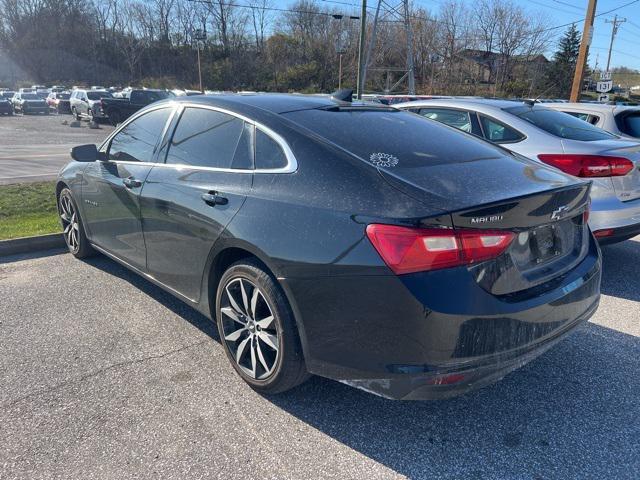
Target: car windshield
560	124
63	96
631	124
98	95
29	96
8	94
388	137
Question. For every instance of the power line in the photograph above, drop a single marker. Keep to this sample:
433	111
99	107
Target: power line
415	17
567	4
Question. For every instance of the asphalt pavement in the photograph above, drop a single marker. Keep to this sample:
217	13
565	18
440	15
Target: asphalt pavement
36	147
106	376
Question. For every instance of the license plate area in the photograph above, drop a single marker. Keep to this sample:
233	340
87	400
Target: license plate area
545	243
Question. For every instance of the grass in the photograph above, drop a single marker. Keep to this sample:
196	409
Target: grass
28	209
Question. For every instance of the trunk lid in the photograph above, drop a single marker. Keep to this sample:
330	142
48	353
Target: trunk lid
541	206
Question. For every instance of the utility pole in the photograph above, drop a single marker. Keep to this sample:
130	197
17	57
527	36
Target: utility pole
361	66
585	41
614	30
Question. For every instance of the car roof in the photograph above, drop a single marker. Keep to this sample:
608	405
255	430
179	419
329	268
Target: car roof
596	107
463	102
272	102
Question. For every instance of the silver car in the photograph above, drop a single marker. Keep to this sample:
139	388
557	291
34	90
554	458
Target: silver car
617	119
560	140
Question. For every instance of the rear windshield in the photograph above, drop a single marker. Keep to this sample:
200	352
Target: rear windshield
392	138
29	96
631	124
63	96
98	95
560	124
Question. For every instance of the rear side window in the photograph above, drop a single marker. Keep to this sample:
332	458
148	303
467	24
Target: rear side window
208	138
137	141
560	124
582	116
498	132
269	154
454	118
631	124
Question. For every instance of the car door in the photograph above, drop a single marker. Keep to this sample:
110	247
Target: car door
112	188
189	201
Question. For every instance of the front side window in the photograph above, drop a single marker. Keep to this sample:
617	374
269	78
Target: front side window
137	141
454	118
560	124
498	132
208	138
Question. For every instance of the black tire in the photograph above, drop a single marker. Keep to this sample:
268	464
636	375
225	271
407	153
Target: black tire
80	248
287	364
114	117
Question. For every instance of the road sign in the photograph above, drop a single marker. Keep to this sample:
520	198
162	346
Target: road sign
604	76
604	87
603	98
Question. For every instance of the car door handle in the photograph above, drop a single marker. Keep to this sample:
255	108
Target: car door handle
213	199
131	182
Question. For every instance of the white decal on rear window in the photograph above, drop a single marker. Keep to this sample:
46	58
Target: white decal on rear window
383	160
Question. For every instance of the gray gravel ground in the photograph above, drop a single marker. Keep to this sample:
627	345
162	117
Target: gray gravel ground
104	375
35	147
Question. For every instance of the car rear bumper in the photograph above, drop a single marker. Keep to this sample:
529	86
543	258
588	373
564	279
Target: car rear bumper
27	109
609	213
433	335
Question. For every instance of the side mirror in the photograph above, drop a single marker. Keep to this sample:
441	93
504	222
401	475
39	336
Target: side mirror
86	153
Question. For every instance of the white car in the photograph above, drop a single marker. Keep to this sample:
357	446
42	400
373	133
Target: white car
617	119
567	143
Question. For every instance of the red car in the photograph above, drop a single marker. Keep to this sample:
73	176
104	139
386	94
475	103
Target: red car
59	102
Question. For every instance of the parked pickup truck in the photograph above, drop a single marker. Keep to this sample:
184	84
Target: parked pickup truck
119	109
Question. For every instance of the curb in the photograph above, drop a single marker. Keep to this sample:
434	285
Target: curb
31	244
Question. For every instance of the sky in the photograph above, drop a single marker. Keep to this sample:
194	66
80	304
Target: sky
625	50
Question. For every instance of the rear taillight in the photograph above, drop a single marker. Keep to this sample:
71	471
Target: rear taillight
407	250
588	165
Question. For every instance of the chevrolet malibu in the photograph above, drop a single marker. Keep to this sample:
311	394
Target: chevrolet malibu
328	238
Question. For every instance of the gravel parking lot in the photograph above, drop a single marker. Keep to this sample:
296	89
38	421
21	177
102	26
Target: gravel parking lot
35	147
106	376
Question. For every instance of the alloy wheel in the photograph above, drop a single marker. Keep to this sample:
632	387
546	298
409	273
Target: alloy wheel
250	330
70	226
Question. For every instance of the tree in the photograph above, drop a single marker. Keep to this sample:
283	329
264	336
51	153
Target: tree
564	63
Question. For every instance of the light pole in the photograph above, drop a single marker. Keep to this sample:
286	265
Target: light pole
199	36
363	29
341	44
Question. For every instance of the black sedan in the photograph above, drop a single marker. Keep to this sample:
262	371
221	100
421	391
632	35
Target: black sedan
6	107
351	241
